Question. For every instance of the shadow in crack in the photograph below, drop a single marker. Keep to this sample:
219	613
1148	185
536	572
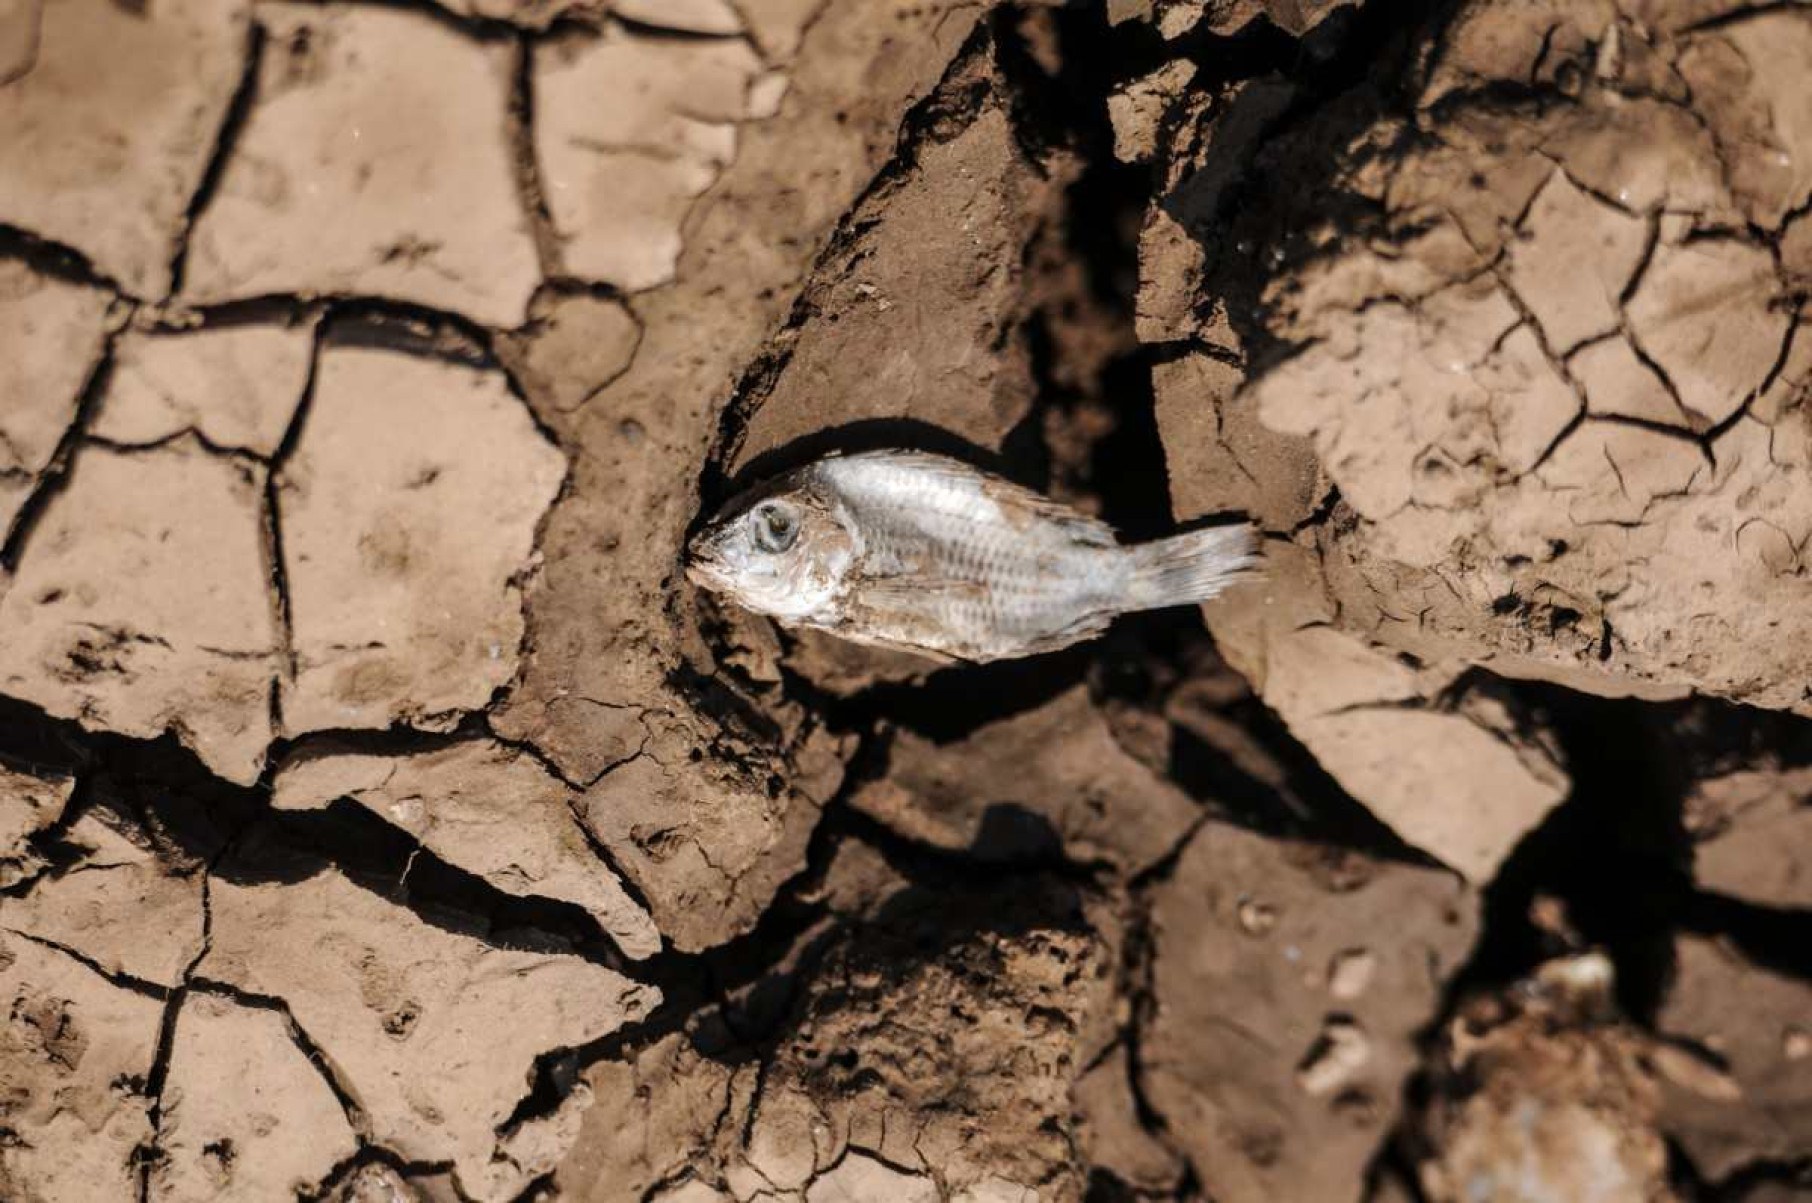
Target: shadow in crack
933	906
1264	195
194	818
1615	856
1774	938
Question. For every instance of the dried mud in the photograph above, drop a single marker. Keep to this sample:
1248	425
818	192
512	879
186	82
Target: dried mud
383	817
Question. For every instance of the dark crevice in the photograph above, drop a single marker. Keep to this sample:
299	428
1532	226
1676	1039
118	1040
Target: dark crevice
124	981
193	817
1621	823
56	260
491	30
1774	938
150	1155
334	1185
408	328
306	1044
55	478
277	566
239	111
529	186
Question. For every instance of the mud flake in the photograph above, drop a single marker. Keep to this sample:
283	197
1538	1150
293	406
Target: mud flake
487	809
344	959
572	346
1530	404
706	846
711	17
1745	1013
943	254
110	131
118	906
1112	1136
1523	44
1706	313
1464	787
246	1115
29	802
1442	423
1171	262
1236	1014
1393	406
1747	79
780	1146
629	131
1645	154
375	161
1221	457
904	1045
50	337
1137	109
1445	784
860	1177
1754	827
1618	384
677	1097
1571	261
1610	472
72	1052
1051	780
408	513
190	647
236	386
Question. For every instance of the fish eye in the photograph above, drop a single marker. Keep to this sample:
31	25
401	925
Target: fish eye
776	527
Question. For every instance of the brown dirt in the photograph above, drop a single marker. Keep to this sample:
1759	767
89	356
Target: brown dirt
382	816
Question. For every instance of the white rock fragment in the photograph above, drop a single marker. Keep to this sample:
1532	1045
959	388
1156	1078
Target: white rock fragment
1339	1055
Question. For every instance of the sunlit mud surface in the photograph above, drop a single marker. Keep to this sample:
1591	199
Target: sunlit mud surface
383	817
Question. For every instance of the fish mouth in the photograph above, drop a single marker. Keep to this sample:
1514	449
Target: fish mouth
704	570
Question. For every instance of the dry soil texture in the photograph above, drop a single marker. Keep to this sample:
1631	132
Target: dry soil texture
383	817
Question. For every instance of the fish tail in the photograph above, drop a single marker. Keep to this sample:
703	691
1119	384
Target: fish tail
1189	568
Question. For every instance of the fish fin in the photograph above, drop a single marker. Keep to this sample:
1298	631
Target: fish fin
1189	568
1086	627
1021	505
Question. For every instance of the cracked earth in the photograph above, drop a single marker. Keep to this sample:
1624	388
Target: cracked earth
383	818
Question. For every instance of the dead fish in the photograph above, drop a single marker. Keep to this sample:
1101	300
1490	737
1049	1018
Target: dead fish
918	552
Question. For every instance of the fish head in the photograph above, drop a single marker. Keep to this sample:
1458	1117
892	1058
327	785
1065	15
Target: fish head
783	551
